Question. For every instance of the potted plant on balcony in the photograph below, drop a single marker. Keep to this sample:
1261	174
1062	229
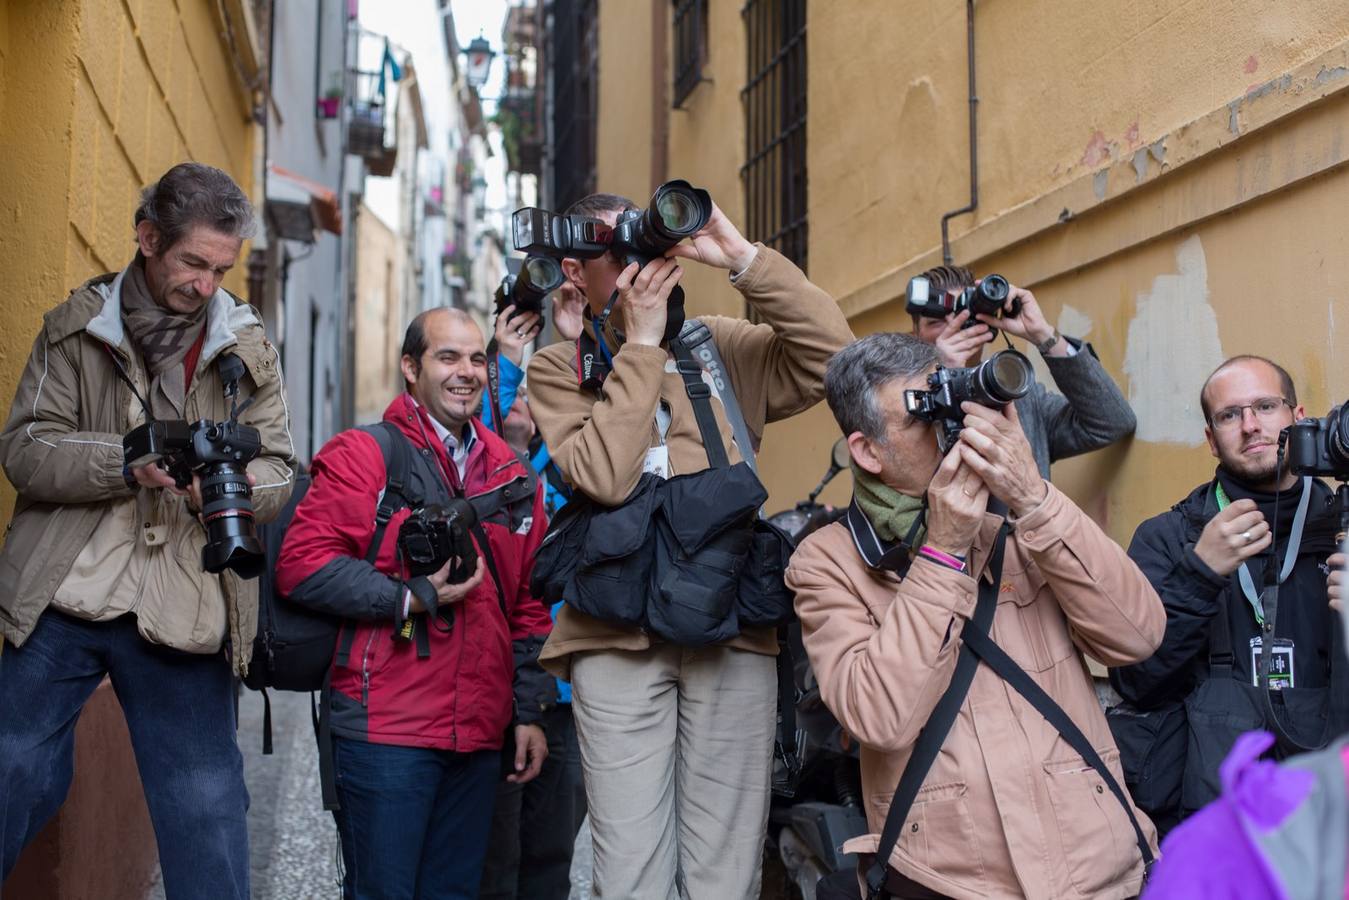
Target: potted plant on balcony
330	104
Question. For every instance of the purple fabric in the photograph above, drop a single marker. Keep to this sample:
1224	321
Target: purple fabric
1215	853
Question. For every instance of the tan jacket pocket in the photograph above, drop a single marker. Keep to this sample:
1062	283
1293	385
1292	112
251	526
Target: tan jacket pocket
1099	846
939	831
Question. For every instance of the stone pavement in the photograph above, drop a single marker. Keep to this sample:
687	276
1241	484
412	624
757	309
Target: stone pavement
293	841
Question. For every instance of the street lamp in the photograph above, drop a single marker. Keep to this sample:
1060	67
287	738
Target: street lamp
480	56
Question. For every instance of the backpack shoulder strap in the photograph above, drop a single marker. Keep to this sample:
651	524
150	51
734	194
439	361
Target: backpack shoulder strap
393	446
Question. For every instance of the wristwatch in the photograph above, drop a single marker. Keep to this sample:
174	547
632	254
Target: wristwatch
1048	343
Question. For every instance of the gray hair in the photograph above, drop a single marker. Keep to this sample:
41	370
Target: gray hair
192	194
862	368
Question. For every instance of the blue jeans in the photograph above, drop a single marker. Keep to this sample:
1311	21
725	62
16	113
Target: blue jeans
414	822
179	709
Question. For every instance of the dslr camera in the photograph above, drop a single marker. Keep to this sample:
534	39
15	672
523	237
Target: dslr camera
987	296
432	535
538	277
220	453
1320	447
678	210
1003	377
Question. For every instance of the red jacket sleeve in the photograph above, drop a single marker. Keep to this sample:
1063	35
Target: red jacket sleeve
322	563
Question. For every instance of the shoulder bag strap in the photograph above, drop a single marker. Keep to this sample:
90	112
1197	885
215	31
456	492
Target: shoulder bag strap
700	396
939	723
697	337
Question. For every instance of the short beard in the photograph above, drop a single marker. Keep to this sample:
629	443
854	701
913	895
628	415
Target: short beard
1261	474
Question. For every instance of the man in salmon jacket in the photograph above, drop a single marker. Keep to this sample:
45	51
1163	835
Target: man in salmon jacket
421	683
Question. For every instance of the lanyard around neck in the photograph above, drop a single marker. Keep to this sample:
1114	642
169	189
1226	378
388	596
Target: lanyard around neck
1289	553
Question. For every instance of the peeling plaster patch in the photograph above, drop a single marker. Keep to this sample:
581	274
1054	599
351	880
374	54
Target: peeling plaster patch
1100	182
1233	117
1173	345
1325	76
1140	165
1075	322
1158	151
1269	87
1097	151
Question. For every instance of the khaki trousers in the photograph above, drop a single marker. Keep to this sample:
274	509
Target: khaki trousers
677	750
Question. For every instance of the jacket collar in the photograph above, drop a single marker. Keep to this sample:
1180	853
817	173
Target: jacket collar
224	316
491	462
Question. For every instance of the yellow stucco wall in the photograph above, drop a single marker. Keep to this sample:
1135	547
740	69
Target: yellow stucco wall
1168	178
379	275
98	99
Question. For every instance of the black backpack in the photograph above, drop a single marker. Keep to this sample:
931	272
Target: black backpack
294	646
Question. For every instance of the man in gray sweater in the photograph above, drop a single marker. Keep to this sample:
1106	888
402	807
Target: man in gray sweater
1091	413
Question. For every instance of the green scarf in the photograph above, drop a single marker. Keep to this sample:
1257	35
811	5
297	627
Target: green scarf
890	512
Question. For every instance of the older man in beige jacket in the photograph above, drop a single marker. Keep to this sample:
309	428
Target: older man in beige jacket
101	573
1008	809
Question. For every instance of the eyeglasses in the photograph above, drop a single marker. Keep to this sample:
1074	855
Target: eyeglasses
1264	408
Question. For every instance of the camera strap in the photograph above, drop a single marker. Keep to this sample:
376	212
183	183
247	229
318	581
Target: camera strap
498	418
122	373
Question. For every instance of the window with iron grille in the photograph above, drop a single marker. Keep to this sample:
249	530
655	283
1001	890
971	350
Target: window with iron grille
690	46
575	55
774	97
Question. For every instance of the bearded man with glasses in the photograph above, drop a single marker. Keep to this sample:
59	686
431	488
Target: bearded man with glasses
1209	558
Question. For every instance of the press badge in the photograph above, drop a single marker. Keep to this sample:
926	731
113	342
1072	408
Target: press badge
657	461
1280	663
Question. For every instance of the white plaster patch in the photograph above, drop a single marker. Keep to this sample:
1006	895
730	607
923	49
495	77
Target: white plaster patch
1173	346
1074	322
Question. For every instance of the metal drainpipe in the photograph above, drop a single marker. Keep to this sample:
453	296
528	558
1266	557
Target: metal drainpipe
974	142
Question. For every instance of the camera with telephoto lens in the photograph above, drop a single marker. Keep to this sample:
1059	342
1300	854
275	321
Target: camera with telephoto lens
219	452
1320	447
1003	377
987	296
678	210
433	535
538	277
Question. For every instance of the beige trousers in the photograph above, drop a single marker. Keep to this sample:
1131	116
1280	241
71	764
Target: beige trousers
677	750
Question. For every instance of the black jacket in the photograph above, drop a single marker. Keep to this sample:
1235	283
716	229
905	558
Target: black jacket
1211	696
1193	595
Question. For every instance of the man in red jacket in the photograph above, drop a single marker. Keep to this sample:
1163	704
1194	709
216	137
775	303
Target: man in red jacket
420	703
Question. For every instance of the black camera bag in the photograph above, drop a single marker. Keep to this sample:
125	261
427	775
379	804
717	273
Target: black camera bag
686	558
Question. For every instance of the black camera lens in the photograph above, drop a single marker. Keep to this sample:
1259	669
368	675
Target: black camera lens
1002	378
231	535
678	212
1337	439
989	295
541	273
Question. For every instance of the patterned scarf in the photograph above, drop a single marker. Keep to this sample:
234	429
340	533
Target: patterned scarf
163	338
